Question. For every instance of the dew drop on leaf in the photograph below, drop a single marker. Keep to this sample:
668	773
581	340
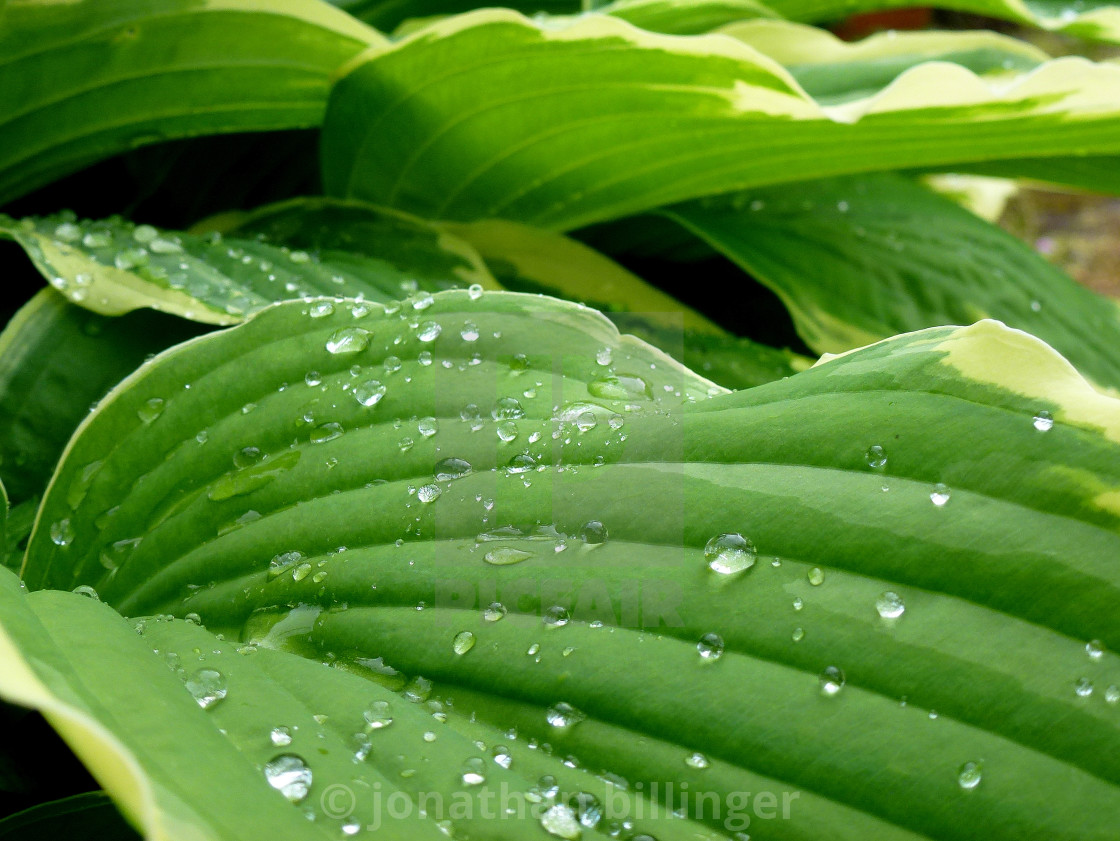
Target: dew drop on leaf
1095	649
451	468
62	533
832	681
1083	688
208	686
969	775
730	553
87	591
151	409
474	771
506	431
876	457
561	821
556	617
564	714
378	715
348	340
429	331
593	533
280	736
369	393
815	576
890	605
501	756
940	494
463	642
507	408
289	775
696	760
429	493
619	387
1043	421
710	646
506	555
494	612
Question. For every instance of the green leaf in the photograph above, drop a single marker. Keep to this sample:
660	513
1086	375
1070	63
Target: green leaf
82	817
862	258
834	71
685	17
563	127
83	80
1004	573
56	359
301	248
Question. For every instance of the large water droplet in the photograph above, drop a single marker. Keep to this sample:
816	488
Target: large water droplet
326	432
507	408
502	756
710	646
890	605
469	333
62	533
561	821
494	612
876	457
463	642
521	463
348	340
696	760
1043	421
593	533
556	617
208	686
451	468
564	714
969	775
429	493
832	681
730	553
369	393
507	555
289	775
378	715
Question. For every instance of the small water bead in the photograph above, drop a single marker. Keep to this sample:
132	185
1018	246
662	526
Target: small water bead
348	340
280	736
1095	649
521	463
474	291
940	495
798	603
427	427
150	410
494	612
798	634
289	775
369	392
533	649
1043	421
429	331
876	457
506	556
474	771
247	457
1083	688
62	533
587	808
969	775
506	431
326	432
561	821
282	562
87	591
429	493
815	576
378	715
593	533
564	714
603	356
463	642
392	364
507	408
890	605
351	827
424	358
556	617
730	553
1112	694
451	468
696	760
208	686
619	387
68	232
321	309
469	333
299	257
710	646
313	378
832	681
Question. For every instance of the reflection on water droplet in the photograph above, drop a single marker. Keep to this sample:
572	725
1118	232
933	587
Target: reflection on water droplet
876	457
890	605
729	553
208	686
427	427
429	493
815	576
507	555
494	612
710	646
561	821
378	715
940	494
1043	421
1095	649
151	409
321	309
369	393
348	340
451	468
463	642
429	331
564	714
556	617
469	333
593	533
696	760
289	775
62	533
474	771
474	291
832	681
1083	688
501	756
280	736
969	775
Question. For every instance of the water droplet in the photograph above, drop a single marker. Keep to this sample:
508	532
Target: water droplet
501	756
463	642
797	635
619	387
969	775
62	533
876	457
521	463
494	612
301	572
1083	688
507	555
289	775
280	736
150	410
474	771
710	646
326	432
593	533
507	408
429	331
832	681
144	233
1112	694
1043	421
299	257
321	309
815	576
474	291
68	232
351	827
556	617
348	340
506	430
429	493
603	356
87	591
427	427
730	553
564	714
208	686
378	715
696	760
282	562
369	393
561	821
451	468
1095	649
890	605
940	494
469	333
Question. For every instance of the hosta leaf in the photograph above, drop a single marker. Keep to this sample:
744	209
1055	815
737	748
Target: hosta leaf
834	71
80	81
685	17
861	258
562	127
56	359
309	527
294	249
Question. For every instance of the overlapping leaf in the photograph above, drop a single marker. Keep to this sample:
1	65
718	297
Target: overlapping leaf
934	515
639	120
